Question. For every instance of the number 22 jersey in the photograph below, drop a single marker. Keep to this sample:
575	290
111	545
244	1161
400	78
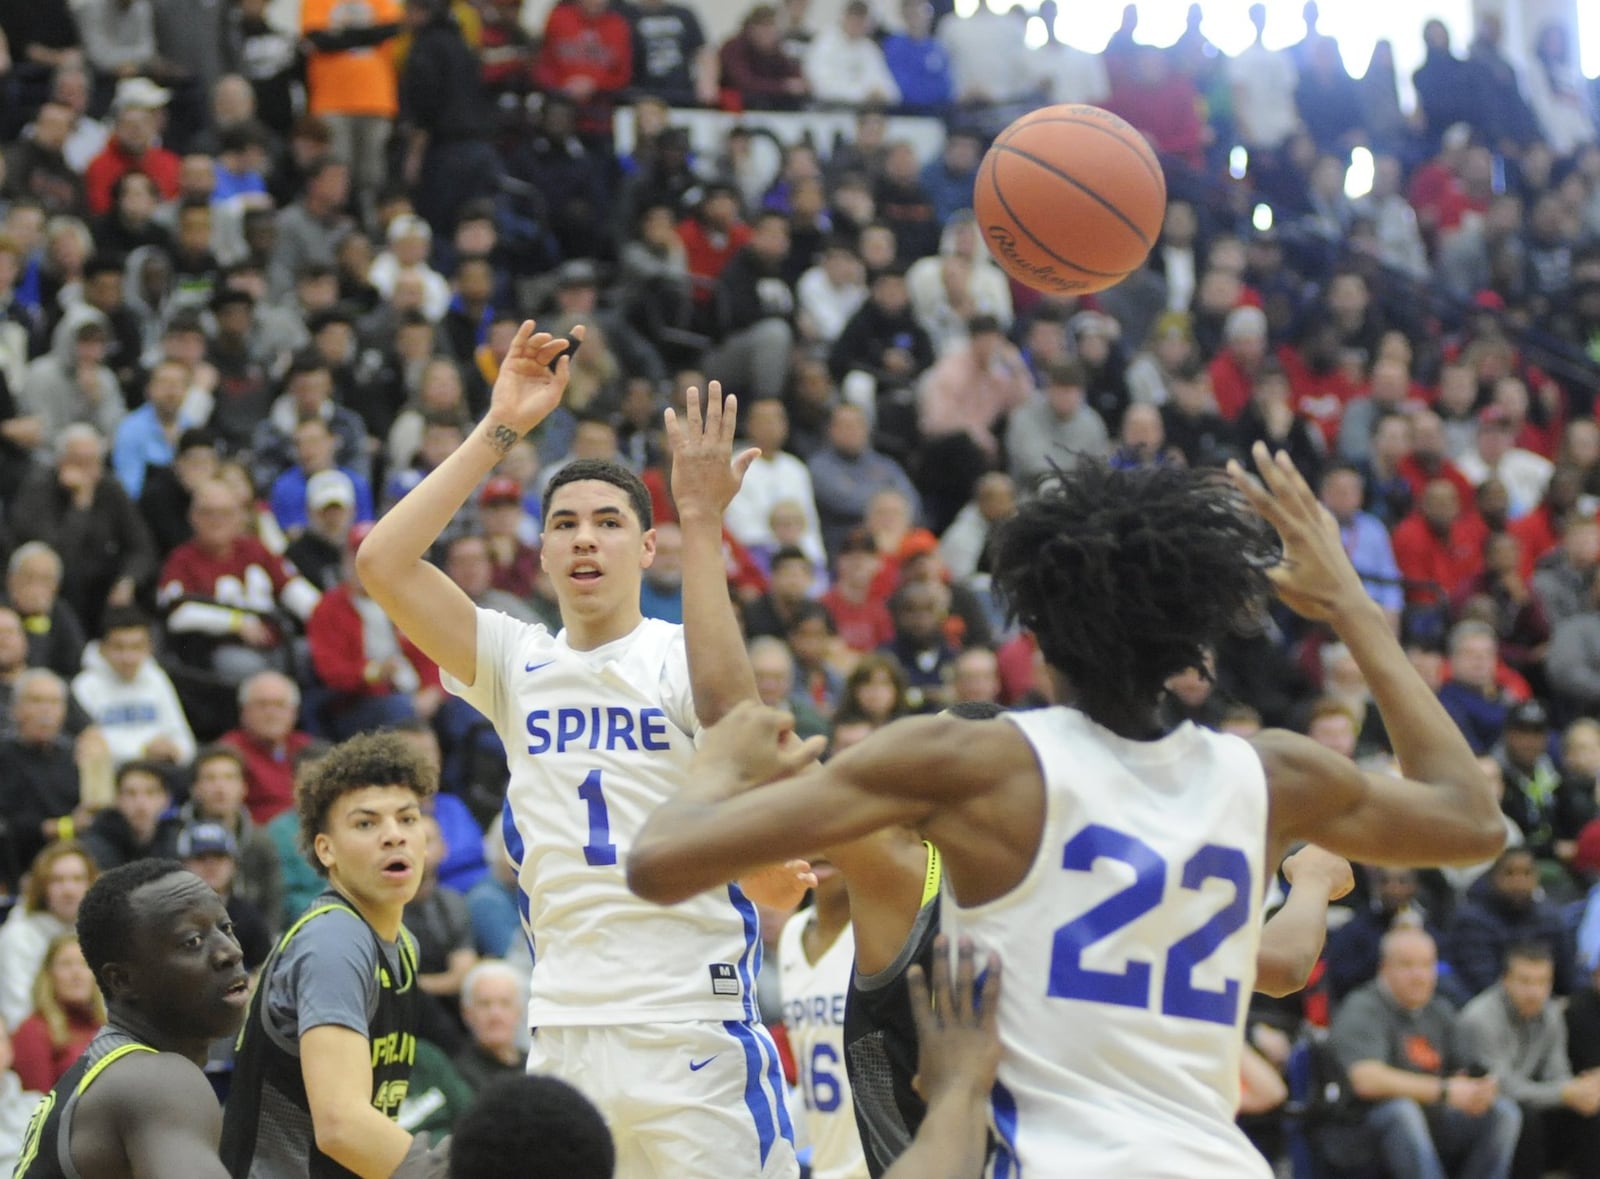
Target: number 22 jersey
595	741
1130	955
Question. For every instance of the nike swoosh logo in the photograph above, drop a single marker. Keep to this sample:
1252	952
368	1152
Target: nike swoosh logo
537	666
696	1065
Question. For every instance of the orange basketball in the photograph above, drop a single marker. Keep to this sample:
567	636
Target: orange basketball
1070	199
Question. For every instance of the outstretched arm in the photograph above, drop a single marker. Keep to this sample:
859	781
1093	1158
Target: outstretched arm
1447	812
1291	941
429	608
705	478
718	828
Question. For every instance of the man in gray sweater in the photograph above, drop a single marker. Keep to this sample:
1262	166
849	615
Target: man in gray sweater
1515	1032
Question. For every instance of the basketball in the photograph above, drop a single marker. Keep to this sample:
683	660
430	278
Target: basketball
1070	199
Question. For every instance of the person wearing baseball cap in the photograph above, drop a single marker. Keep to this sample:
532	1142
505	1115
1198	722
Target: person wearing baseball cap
132	146
1497	454
318	552
211	853
1533	794
501	510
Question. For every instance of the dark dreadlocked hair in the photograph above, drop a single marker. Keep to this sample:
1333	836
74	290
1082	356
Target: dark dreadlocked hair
1126	577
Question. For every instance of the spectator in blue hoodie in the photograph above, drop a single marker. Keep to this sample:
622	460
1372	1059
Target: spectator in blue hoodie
919	62
1504	908
949	180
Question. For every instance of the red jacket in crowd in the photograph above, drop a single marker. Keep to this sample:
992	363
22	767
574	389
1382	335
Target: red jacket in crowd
578	45
268	771
103	172
1423	556
339	654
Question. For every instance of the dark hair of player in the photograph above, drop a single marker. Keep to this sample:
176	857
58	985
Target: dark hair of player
531	1127
370	759
1127	577
976	709
106	927
603	471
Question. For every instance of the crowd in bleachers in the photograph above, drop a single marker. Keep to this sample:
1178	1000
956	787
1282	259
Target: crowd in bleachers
256	281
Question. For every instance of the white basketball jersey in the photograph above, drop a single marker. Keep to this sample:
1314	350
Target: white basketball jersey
596	740
813	1011
1130	956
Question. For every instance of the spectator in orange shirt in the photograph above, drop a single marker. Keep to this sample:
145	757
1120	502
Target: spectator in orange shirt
132	147
351	82
588	56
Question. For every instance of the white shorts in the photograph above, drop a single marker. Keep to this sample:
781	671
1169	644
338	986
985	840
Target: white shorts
695	1100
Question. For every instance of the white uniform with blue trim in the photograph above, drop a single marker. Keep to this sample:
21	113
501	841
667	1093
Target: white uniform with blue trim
813	1010
651	1011
1130	956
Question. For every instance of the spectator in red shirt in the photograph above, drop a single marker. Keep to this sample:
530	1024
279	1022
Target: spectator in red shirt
1234	369
222	590
68	1013
861	617
1427	460
132	147
375	676
587	54
1162	102
269	705
711	237
1433	547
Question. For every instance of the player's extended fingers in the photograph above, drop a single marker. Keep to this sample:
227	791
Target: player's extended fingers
922	1013
943	1002
553	347
714	409
965	972
795	755
989	993
1254	493
520	340
674	430
728	419
742	461
691	412
1296	486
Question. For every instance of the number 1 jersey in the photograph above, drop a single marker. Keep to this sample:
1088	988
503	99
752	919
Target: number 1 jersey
1130	956
595	741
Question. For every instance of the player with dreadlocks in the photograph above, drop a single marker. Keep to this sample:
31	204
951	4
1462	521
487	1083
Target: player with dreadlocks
1115	866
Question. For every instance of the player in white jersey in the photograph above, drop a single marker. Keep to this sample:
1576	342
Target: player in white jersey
1114	866
650	1014
816	955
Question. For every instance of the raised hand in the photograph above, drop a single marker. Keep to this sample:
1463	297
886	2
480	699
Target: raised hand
958	1037
1315	579
749	747
531	383
705	473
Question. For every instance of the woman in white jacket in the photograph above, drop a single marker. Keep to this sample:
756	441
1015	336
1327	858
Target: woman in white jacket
57	880
960	282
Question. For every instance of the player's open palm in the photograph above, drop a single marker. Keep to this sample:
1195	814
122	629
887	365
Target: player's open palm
958	1034
1315	578
705	473
532	379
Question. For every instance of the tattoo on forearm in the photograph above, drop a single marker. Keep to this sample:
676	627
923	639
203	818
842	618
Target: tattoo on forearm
503	438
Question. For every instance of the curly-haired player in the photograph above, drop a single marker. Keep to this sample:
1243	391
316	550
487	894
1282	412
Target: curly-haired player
1114	866
324	1060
